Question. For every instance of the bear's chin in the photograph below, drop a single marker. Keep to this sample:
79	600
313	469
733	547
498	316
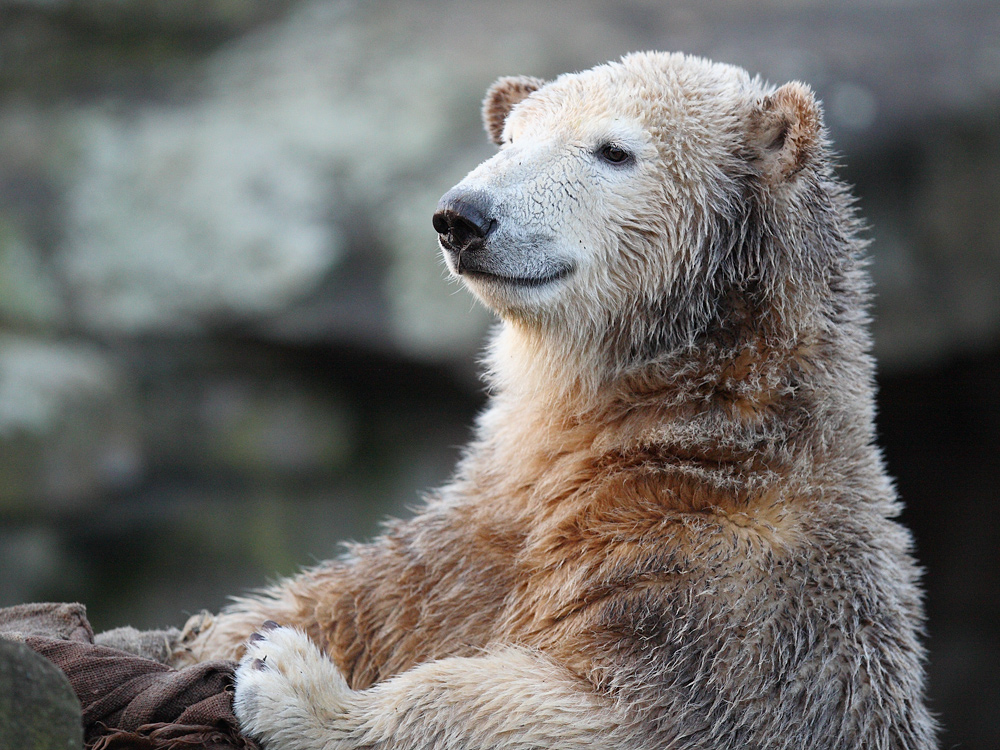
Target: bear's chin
514	294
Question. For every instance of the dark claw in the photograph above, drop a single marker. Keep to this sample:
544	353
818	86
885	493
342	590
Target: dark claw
259	664
269	625
254	637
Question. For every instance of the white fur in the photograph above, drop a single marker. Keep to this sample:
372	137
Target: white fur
291	697
630	232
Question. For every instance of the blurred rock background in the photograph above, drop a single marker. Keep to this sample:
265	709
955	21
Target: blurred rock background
227	342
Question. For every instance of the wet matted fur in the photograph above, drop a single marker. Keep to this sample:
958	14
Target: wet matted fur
674	528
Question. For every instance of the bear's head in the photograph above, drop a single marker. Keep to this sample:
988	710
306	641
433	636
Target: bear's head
632	206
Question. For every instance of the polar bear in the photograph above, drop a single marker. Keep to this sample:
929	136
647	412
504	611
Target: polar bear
673	528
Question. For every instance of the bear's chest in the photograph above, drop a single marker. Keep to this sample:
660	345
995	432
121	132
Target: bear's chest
588	569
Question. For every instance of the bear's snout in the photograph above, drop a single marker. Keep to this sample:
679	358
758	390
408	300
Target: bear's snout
463	220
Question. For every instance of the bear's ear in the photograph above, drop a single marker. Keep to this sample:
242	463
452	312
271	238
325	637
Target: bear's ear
501	98
786	130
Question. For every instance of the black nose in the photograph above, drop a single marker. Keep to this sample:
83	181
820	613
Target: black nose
463	219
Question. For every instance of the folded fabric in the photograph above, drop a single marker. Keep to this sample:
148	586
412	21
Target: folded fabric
129	701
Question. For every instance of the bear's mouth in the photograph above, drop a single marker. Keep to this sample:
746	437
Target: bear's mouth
525	264
527	282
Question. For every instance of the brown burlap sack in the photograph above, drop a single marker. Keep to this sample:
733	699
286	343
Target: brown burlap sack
131	702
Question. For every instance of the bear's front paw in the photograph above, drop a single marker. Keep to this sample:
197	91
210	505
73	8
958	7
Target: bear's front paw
288	694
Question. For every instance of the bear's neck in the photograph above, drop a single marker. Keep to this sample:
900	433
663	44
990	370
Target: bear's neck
758	402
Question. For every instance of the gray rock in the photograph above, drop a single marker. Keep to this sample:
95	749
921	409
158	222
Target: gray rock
216	210
204	216
38	708
67	429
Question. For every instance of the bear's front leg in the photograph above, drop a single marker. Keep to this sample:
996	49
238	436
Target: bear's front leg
289	695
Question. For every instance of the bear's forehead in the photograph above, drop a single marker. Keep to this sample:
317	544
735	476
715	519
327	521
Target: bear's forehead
668	95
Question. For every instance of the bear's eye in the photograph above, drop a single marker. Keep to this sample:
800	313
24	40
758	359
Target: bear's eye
614	153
